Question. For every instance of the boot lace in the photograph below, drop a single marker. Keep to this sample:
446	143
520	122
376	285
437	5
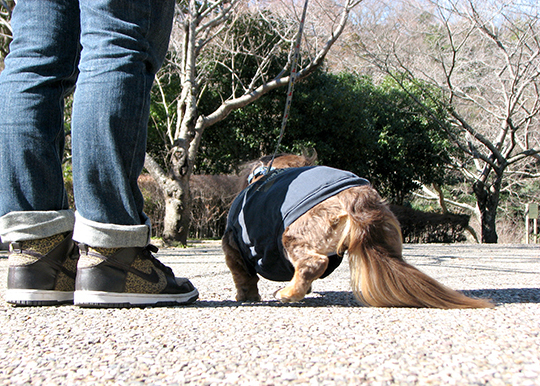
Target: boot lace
148	254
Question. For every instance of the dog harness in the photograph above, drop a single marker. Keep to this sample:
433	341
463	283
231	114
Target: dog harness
261	213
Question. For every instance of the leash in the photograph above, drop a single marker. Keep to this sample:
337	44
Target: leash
290	90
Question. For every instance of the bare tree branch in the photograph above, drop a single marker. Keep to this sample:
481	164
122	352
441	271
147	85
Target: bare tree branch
484	59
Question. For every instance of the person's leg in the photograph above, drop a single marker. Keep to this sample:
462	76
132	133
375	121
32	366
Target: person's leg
34	217
39	71
123	45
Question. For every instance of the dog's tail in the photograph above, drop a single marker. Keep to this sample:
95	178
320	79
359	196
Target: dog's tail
379	275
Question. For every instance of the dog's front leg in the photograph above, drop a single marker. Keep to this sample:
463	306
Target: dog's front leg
245	283
306	269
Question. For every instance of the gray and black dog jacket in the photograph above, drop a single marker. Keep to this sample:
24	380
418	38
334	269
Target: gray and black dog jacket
261	213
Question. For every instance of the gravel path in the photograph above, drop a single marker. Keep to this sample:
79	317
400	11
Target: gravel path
326	340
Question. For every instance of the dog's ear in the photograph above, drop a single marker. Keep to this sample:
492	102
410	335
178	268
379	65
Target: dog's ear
285	161
310	156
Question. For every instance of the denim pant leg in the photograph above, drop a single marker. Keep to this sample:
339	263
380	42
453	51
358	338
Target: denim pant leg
39	71
123	43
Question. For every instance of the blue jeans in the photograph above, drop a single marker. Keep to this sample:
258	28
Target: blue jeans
109	51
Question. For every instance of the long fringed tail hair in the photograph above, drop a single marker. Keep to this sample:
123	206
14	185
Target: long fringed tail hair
379	275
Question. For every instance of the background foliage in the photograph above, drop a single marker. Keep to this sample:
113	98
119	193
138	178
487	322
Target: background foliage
366	124
375	131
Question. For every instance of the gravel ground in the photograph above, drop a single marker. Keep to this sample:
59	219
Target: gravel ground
325	340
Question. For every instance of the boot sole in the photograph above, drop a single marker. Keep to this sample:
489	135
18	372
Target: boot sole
124	300
35	297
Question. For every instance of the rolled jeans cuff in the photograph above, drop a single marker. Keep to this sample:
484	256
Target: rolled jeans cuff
33	225
101	235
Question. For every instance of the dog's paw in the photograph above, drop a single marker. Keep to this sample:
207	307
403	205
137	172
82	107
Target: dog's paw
287	295
243	296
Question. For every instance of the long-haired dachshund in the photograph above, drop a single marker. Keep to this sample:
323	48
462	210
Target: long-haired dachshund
295	222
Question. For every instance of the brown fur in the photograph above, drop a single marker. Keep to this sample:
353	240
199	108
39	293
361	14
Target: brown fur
356	220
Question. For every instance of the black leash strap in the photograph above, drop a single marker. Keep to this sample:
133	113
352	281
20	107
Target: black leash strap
290	90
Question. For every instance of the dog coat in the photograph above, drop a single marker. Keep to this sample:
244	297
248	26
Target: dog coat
261	213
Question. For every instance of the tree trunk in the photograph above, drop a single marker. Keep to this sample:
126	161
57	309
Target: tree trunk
487	200
177	211
175	188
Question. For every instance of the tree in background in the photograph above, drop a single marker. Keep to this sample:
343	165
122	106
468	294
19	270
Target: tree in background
376	131
212	35
483	58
